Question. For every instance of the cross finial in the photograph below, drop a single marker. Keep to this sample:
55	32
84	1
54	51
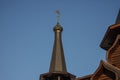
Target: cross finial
58	15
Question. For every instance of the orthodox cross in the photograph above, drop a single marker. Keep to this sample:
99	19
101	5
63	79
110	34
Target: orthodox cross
58	15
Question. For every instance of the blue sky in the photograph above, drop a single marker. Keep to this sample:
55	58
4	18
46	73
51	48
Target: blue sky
26	35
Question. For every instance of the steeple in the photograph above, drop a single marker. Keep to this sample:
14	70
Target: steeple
118	18
57	70
58	64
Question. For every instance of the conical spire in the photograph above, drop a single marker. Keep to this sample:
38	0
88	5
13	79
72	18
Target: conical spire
57	70
118	18
58	64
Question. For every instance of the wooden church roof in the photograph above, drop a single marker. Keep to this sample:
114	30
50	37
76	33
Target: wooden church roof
111	34
106	71
109	70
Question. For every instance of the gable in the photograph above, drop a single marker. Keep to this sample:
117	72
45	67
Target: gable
104	75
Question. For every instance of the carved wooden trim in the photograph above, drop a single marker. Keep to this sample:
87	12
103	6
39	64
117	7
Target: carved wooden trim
109	71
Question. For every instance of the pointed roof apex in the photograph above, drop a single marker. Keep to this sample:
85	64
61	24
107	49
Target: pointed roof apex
118	18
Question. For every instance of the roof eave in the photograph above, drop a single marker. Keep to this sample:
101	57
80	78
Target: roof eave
110	36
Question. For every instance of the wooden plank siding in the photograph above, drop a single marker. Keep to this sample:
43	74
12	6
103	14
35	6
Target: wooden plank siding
115	57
